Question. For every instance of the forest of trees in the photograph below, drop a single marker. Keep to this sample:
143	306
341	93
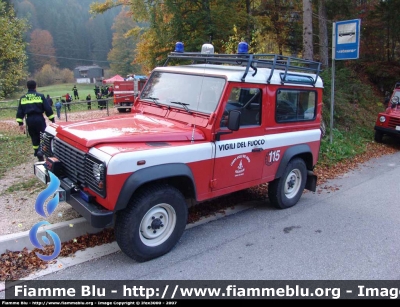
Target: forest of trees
136	35
292	27
63	33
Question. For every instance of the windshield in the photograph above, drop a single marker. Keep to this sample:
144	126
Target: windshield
396	94
189	92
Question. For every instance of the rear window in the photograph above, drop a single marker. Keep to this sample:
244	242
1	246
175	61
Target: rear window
295	105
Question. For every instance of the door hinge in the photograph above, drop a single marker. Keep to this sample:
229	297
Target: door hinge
213	183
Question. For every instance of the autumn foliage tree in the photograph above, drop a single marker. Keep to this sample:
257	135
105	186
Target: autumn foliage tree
12	50
41	49
49	75
298	27
123	54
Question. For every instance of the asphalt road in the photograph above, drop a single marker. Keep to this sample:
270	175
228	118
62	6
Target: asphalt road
349	231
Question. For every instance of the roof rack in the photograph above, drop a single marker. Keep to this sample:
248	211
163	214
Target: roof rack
272	61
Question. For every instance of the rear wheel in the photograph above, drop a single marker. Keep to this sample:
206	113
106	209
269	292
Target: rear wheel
285	192
378	136
152	223
122	110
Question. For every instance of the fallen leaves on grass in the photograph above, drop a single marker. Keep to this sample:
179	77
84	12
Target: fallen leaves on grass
17	265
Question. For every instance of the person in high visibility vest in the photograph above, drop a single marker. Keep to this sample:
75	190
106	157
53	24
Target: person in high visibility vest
33	105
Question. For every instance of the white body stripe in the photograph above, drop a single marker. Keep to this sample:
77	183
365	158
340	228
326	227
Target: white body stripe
127	162
123	92
232	147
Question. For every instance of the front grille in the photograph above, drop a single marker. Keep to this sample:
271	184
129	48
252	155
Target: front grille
393	122
73	161
45	143
81	168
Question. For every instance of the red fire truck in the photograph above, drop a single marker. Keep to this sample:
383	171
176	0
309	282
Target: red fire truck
388	122
223	123
125	93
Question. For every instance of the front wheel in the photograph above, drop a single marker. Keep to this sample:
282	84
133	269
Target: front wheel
285	192
378	136
152	223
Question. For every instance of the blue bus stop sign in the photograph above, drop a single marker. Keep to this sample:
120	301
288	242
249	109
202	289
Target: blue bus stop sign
346	40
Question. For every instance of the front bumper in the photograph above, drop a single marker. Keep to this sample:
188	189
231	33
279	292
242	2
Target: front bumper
96	215
387	131
126	104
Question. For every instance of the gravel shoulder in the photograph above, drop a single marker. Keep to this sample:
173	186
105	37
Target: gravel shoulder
18	212
18	207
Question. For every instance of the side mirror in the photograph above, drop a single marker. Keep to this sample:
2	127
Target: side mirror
234	120
233	124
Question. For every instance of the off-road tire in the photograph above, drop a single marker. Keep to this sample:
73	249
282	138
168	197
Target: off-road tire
138	229
120	110
285	192
378	137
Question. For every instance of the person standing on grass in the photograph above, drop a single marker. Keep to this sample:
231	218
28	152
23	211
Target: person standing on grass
89	102
49	100
75	90
96	90
68	99
111	91
58	108
33	105
100	101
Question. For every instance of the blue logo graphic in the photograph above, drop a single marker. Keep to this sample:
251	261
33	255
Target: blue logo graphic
51	206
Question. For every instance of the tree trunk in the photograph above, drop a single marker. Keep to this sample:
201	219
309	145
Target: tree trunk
308	52
248	29
323	34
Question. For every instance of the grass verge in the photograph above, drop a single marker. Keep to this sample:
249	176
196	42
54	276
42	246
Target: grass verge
15	147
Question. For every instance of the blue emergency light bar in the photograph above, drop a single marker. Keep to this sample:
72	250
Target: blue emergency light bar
179	47
244	58
243	47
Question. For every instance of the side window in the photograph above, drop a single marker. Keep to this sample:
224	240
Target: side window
295	105
248	102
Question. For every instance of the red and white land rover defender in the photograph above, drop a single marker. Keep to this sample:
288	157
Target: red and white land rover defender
388	122
125	93
222	123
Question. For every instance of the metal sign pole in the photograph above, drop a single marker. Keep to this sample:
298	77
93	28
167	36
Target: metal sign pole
332	101
332	83
345	46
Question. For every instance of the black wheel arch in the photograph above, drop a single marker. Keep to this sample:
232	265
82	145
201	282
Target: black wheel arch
175	174
302	150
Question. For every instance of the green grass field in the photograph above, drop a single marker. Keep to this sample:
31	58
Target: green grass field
62	89
8	108
16	147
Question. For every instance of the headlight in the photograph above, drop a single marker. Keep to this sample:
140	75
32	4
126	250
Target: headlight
395	100
382	119
47	144
95	175
98	172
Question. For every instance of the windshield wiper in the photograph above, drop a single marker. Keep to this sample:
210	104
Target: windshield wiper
154	100
184	105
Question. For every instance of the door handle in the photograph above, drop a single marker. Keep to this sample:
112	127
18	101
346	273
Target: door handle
257	149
